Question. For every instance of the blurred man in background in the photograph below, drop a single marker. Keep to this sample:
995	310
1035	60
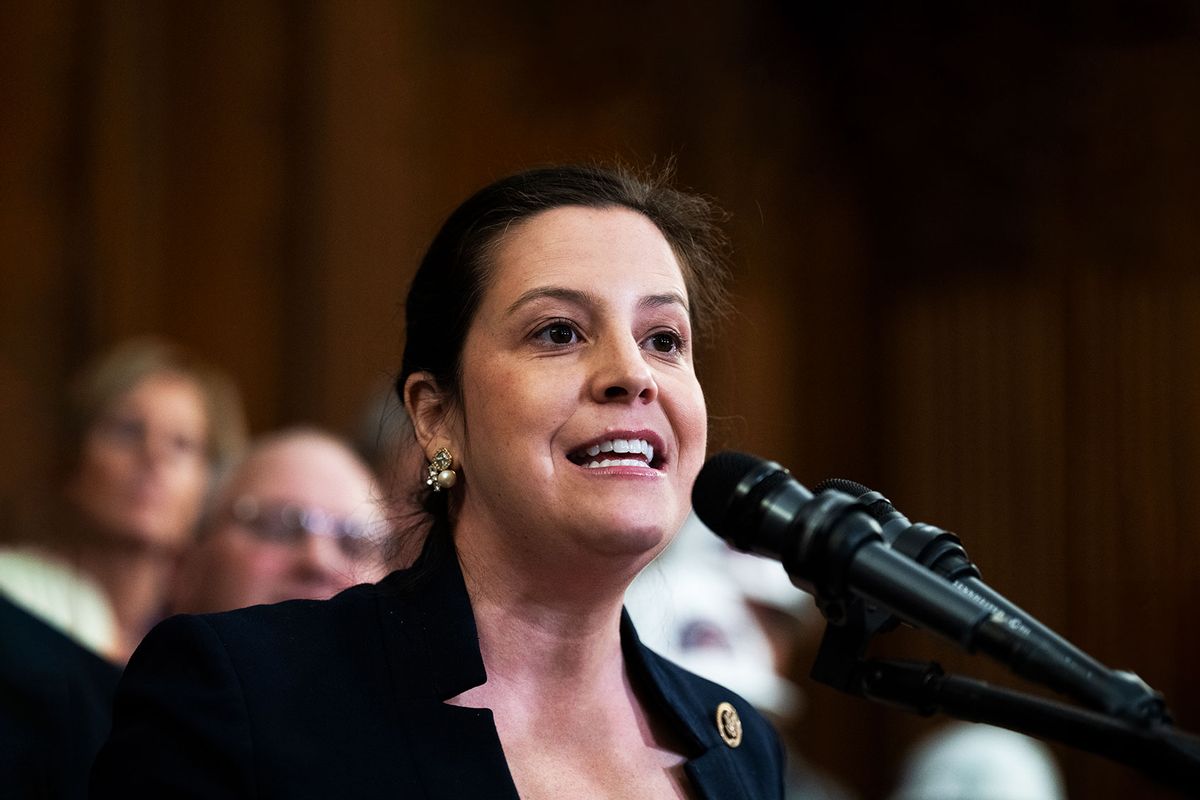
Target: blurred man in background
300	517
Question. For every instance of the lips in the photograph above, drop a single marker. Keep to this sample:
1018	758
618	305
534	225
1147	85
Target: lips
634	450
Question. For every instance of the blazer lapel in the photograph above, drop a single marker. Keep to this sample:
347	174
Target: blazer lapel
715	774
712	770
432	648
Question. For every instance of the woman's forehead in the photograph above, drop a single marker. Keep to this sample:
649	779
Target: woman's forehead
167	395
599	250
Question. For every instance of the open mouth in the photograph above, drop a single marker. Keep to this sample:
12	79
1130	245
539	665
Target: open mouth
617	453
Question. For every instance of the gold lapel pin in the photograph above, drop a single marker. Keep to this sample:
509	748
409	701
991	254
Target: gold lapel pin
729	724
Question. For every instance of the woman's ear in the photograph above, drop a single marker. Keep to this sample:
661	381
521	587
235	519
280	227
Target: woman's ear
429	408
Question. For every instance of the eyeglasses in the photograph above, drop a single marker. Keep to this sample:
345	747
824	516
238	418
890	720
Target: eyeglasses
291	524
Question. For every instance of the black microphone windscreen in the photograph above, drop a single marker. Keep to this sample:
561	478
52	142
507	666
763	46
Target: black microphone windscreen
852	488
878	506
715	486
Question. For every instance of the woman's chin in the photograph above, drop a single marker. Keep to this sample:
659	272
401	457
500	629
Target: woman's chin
635	539
146	531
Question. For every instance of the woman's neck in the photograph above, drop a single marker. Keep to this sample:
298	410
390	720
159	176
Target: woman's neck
542	626
133	577
550	638
560	667
527	642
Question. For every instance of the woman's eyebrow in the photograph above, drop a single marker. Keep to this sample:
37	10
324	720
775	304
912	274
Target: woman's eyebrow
665	299
590	300
573	296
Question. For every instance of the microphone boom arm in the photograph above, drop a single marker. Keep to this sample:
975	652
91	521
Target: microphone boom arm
1162	752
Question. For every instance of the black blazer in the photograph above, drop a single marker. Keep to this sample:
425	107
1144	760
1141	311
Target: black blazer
345	698
55	700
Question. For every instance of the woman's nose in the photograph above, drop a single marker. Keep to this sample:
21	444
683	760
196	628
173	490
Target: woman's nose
622	374
156	450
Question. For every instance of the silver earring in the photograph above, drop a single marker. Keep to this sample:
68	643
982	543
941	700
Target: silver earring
440	474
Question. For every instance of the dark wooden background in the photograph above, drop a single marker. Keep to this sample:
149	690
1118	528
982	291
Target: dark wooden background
966	251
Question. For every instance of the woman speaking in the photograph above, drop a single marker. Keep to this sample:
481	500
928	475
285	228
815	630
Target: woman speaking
549	378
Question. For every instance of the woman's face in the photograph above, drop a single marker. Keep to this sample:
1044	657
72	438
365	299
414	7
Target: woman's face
582	424
144	470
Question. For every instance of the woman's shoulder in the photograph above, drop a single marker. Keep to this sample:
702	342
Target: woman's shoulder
288	614
205	664
211	699
280	628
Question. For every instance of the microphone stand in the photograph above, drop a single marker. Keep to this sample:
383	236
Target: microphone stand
1167	755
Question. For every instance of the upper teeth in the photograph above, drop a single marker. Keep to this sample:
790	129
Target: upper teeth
623	446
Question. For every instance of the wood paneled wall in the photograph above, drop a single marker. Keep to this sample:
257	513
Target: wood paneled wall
966	252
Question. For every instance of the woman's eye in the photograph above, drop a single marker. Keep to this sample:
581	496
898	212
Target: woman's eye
186	446
665	342
558	333
124	430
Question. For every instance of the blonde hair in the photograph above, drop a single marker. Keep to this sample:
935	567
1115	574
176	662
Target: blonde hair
118	371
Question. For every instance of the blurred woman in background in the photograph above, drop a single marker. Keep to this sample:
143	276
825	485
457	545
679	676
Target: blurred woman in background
147	429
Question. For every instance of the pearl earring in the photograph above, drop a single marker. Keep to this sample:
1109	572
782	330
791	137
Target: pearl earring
440	474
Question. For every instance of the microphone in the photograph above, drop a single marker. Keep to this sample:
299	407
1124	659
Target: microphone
932	547
832	547
1119	693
